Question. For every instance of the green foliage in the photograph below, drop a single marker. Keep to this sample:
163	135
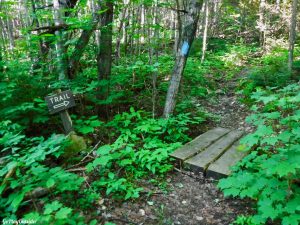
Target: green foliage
272	72
87	125
24	171
268	71
270	174
140	146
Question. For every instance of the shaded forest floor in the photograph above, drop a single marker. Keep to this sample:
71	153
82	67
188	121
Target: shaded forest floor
189	198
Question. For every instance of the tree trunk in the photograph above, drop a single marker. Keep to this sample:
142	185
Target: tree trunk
59	45
292	34
179	27
126	40
61	63
1	62
188	34
104	58
204	42
119	35
262	23
153	52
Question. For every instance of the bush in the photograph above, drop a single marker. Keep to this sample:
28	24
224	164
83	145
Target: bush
270	174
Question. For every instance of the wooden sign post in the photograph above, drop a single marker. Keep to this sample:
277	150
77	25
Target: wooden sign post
60	102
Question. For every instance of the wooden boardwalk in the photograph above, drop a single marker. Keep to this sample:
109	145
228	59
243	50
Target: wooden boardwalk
212	153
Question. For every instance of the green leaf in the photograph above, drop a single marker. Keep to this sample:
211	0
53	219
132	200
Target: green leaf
267	210
63	213
96	123
50	183
93	222
86	129
52	207
291	220
18	198
104	150
102	161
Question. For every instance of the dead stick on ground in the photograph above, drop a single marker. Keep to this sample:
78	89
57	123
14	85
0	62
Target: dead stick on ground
10	173
91	151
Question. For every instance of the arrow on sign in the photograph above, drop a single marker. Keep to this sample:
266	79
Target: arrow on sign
65	103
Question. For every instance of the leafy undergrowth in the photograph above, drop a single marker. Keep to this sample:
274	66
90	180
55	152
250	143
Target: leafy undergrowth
35	188
270	174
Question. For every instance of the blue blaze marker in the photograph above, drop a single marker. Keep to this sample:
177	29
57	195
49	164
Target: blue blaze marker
185	48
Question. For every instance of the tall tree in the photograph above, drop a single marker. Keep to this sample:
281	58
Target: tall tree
104	58
292	34
205	28
59	8
262	23
187	38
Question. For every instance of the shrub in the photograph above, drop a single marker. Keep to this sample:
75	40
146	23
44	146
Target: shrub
270	174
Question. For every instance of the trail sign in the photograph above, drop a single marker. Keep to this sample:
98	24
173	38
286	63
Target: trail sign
59	102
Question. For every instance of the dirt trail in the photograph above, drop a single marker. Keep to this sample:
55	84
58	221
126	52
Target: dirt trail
228	108
191	199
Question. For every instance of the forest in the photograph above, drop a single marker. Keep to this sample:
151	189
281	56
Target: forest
96	95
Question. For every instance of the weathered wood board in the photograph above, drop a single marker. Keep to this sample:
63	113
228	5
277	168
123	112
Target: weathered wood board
199	144
212	153
202	160
221	167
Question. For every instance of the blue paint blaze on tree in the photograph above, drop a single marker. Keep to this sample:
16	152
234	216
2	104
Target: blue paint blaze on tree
185	48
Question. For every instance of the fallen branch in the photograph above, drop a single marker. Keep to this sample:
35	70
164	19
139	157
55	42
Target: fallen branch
9	174
79	164
76	169
93	149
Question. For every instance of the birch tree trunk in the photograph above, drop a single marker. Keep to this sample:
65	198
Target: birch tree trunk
188	34
120	33
262	24
204	42
292	34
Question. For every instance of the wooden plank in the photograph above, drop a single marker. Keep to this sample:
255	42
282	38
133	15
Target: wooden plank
200	143
201	161
221	167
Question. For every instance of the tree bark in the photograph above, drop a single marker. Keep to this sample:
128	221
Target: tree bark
292	34
119	34
61	63
188	34
179	27
153	54
1	61
262	23
104	58
204	41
